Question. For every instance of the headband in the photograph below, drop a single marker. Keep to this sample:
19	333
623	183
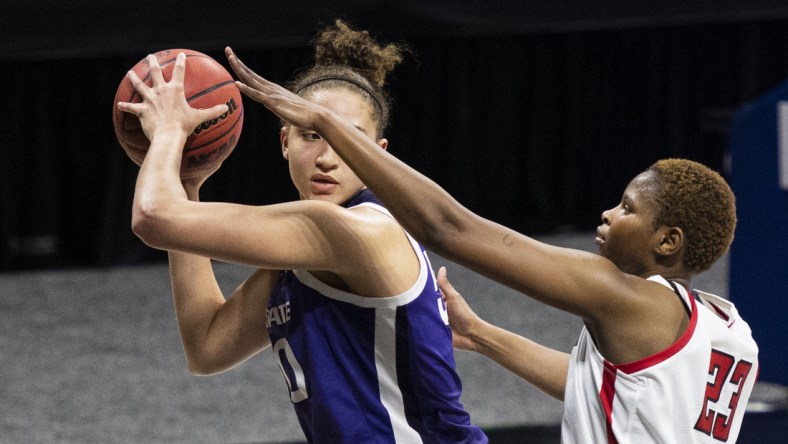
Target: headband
343	79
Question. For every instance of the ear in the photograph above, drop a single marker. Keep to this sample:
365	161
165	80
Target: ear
671	241
283	141
383	143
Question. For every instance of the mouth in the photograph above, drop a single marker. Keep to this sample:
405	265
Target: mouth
600	237
322	184
322	178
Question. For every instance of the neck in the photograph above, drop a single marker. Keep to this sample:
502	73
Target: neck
674	270
684	281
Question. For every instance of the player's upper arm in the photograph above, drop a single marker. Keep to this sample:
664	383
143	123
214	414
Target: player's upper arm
311	235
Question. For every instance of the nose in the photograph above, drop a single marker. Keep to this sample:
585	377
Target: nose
327	159
606	217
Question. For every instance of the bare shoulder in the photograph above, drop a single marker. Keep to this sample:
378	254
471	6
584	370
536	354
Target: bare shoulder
645	318
379	231
386	261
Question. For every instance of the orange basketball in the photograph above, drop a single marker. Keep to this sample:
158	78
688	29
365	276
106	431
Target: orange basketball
206	83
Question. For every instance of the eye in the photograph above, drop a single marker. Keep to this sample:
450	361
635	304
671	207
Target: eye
310	135
626	208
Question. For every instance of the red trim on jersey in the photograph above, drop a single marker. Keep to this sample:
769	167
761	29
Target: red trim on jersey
607	392
606	396
648	361
720	312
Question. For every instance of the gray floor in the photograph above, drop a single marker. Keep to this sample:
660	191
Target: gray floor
94	356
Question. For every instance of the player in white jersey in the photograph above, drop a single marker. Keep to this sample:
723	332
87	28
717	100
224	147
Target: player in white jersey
355	319
674	220
692	392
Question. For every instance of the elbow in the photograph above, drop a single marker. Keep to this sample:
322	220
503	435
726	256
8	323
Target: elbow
435	238
140	224
202	365
198	368
440	234
146	221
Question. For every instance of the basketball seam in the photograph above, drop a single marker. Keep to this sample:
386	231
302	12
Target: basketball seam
210	89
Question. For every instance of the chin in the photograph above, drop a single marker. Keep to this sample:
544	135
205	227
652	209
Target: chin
330	198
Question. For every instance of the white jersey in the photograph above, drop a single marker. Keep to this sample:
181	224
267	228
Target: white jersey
695	391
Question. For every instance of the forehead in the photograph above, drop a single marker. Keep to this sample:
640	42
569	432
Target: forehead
642	192
642	185
347	104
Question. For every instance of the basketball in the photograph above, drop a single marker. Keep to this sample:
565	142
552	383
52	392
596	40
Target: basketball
207	83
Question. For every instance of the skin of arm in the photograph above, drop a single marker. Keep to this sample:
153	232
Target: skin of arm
217	334
627	315
541	366
441	223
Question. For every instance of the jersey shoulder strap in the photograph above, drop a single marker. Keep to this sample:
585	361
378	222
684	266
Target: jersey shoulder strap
682	298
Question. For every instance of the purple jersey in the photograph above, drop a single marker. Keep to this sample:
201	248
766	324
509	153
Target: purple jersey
361	369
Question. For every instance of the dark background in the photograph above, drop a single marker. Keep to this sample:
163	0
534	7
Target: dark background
533	114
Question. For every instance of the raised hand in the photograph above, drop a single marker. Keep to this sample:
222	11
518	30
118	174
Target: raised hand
287	106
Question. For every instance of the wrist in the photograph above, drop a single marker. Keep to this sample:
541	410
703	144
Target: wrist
474	334
172	135
483	337
326	120
192	192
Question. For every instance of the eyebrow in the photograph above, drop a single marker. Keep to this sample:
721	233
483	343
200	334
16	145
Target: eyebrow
627	199
361	129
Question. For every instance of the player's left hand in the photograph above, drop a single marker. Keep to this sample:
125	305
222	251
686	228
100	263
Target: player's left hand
462	320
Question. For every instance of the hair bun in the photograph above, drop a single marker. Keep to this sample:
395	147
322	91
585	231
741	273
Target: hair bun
341	45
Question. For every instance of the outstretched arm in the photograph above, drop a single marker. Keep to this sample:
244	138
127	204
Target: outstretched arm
616	307
541	366
564	278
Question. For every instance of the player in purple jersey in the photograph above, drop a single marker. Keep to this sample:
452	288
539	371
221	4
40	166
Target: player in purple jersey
358	327
329	340
652	364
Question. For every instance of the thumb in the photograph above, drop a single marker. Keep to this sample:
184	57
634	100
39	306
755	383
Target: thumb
443	283
442	276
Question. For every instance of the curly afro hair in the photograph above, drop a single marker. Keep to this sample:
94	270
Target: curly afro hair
696	199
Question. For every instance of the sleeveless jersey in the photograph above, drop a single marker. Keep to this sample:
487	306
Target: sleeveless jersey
363	370
695	391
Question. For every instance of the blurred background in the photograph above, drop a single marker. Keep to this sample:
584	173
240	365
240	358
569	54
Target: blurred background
533	114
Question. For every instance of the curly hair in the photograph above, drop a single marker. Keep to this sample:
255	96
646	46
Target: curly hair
696	199
352	59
